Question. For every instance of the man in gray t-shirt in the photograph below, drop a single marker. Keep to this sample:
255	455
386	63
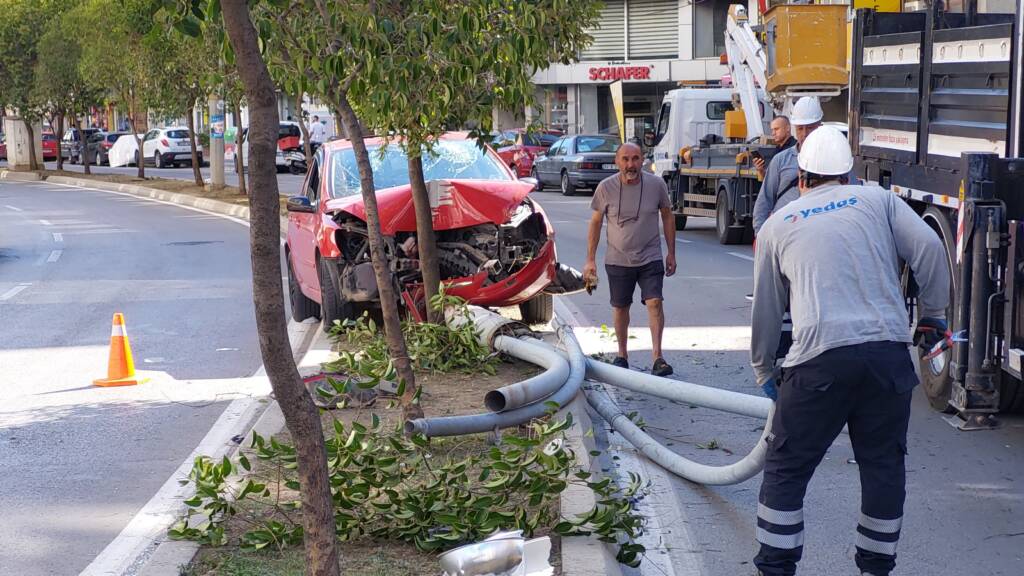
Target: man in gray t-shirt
634	203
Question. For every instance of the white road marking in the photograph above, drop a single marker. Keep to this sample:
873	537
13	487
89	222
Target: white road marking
54	256
744	256
58	237
45	223
12	208
684	241
14	291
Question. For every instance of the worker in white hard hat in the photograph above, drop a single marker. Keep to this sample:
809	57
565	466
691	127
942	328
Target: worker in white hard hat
834	255
779	186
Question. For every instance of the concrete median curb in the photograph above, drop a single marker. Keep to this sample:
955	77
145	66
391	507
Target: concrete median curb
207	204
15	176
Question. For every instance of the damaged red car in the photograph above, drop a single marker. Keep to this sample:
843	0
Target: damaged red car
496	246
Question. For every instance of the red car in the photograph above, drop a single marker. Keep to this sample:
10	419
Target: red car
51	147
516	148
496	246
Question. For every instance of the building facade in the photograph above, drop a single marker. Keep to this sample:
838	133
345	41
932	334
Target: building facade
653	46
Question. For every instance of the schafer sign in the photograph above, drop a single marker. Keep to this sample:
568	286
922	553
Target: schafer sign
612	73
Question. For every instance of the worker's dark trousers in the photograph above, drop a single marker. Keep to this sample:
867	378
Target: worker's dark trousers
869	387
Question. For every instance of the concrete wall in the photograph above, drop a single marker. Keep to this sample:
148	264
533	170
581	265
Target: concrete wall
18	151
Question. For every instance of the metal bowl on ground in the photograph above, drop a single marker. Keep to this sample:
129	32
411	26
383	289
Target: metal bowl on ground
503	556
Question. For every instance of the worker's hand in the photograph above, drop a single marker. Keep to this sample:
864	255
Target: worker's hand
760	167
590	269
770	389
931	332
670	264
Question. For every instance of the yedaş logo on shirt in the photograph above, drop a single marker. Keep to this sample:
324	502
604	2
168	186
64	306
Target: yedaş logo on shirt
830	207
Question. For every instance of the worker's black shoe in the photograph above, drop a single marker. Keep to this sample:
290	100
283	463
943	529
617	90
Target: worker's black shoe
661	368
620	362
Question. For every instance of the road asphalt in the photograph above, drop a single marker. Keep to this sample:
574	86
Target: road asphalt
80	461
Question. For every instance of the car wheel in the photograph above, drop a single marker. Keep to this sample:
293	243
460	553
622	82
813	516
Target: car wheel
535	176
332	306
538	310
158	160
567	187
302	307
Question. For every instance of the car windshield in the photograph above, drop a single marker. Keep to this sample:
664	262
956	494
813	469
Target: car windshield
48	137
596	144
287	131
451	159
177	133
545	140
113	137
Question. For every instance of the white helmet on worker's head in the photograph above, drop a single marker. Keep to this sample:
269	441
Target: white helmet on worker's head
826	152
806	111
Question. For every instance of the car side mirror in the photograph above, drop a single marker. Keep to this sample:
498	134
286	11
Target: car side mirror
531	181
300	204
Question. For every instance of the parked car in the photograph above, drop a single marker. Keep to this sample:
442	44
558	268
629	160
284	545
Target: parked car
495	244
168	147
579	161
125	151
3	147
517	148
71	144
51	148
289	139
99	145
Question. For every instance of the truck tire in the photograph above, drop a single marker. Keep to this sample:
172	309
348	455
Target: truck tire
935	376
302	307
333	306
727	233
538	310
680	221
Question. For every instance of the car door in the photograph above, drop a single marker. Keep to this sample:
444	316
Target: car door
564	151
302	233
545	164
148	144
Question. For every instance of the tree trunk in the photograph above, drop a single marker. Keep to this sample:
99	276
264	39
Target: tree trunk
307	147
33	162
425	238
301	415
138	143
83	144
388	298
59	134
239	140
196	173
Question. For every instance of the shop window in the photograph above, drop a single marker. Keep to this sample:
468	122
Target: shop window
556	108
710	17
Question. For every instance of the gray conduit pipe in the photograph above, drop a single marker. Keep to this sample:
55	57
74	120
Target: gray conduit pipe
532	389
735	402
734	473
476	423
680	391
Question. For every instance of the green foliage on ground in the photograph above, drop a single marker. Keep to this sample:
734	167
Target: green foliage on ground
431	494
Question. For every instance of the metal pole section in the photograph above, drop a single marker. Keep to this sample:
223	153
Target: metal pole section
216	141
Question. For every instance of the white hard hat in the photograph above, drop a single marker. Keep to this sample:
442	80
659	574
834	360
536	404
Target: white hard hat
807	110
826	152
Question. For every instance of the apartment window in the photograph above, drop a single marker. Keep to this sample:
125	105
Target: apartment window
709	18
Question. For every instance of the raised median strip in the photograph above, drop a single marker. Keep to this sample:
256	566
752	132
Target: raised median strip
16	176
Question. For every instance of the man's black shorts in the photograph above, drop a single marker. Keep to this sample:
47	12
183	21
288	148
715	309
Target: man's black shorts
622	281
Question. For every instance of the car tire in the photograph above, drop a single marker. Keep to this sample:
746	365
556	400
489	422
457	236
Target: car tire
332	305
158	160
302	307
538	310
535	176
566	184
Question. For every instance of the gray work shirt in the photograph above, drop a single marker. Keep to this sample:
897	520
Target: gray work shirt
782	171
633	212
833	255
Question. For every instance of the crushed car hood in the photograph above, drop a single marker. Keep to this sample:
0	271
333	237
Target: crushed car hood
460	203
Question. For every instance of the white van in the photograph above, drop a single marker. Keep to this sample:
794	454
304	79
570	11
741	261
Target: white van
689	114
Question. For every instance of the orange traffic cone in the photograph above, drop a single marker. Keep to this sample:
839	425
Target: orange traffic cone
121	367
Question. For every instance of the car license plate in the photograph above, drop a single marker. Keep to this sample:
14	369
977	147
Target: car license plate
608	167
184	143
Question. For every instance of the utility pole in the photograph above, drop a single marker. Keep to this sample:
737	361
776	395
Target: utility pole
216	141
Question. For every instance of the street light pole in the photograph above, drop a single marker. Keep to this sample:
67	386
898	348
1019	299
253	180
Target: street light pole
216	141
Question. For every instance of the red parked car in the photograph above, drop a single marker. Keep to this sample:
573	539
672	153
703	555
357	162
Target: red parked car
496	246
517	148
51	147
